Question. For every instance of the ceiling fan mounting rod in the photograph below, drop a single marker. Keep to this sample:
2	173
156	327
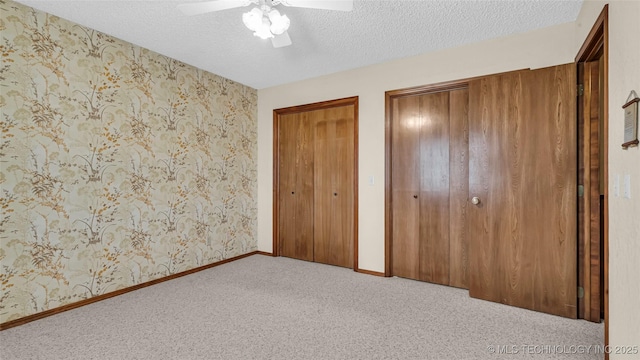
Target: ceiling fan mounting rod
265	6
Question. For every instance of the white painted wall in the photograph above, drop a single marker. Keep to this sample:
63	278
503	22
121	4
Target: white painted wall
550	46
624	214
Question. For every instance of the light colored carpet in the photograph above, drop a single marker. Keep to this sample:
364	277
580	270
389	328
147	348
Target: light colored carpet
278	308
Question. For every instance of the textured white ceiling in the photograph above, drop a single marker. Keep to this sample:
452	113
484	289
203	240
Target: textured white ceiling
324	42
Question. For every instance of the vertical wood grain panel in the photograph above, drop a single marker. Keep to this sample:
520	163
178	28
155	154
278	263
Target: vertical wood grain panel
322	128
289	125
592	192
342	195
296	187
589	205
583	148
334	193
305	169
405	175
560	276
522	165
585	202
434	188
487	178
541	193
458	187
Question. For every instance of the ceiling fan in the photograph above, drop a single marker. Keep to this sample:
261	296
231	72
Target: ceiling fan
264	20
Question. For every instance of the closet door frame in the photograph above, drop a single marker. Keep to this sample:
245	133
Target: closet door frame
277	113
595	45
388	198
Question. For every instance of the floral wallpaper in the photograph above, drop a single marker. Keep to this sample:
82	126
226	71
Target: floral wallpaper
119	165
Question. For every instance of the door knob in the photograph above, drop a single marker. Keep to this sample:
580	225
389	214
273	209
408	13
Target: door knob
475	200
415	196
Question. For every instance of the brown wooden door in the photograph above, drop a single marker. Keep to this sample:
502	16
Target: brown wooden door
522	166
434	188
459	188
334	190
429	186
405	186
315	189
295	190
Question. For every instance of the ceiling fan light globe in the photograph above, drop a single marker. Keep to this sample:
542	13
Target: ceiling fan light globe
253	19
279	23
264	31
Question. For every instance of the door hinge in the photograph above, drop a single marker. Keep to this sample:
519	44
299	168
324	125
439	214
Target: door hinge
580	190
580	292
580	89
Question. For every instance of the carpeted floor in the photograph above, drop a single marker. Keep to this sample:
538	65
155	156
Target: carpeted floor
277	308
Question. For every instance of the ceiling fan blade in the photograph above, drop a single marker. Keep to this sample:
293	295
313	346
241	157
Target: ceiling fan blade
281	40
341	5
210	6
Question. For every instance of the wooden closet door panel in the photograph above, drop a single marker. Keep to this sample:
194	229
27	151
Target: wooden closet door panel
405	179
434	188
334	219
522	166
343	196
487	179
458	187
304	181
289	125
552	232
323	143
296	187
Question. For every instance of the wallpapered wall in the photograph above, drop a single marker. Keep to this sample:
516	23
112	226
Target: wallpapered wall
119	165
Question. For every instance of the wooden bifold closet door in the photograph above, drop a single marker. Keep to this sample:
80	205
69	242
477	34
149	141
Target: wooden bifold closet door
482	190
429	186
315	182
